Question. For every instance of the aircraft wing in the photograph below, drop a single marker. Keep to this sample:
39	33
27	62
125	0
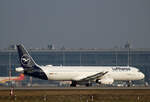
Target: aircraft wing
95	76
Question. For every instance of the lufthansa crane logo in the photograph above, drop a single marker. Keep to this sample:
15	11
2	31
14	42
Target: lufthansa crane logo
25	59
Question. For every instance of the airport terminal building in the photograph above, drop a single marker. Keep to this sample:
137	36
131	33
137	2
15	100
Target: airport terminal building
136	57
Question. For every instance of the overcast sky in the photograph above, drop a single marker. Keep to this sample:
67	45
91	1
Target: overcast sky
75	23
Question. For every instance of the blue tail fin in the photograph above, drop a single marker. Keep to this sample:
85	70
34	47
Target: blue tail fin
25	59
29	65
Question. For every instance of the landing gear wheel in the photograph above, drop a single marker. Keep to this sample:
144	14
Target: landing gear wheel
88	84
74	84
129	83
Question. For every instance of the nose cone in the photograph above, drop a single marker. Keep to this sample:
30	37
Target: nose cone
141	76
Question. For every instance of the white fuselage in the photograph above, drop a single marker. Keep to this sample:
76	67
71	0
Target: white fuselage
79	72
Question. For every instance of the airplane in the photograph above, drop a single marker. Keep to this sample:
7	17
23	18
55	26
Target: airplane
76	74
13	78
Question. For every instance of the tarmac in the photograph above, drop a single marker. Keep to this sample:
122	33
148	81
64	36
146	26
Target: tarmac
74	88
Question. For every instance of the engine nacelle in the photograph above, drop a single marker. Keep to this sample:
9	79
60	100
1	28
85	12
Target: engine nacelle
105	81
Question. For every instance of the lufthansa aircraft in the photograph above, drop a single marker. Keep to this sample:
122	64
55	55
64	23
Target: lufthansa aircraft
76	74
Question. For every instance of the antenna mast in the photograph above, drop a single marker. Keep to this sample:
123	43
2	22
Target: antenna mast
116	57
129	56
127	46
9	65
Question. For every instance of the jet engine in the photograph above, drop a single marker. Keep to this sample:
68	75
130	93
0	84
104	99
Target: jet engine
105	81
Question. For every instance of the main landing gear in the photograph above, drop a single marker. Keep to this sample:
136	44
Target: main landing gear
88	84
73	84
129	83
